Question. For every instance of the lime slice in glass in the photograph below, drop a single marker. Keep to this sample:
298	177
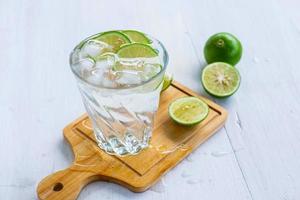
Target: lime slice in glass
168	78
136	36
188	110
220	79
113	38
138	58
136	50
105	56
130	58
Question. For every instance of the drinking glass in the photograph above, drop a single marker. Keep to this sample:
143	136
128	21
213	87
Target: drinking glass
122	118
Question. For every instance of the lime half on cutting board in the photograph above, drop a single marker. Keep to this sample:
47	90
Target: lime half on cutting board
188	110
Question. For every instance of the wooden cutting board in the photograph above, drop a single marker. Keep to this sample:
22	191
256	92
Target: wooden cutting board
170	144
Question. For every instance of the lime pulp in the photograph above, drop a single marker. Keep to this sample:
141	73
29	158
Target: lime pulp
188	110
220	79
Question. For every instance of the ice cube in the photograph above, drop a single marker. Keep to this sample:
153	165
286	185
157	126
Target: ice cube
102	65
126	78
106	62
150	70
94	48
130	64
109	83
102	77
84	66
96	76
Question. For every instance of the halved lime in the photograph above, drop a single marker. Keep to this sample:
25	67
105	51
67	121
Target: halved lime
220	79
168	78
114	38
188	110
136	36
136	50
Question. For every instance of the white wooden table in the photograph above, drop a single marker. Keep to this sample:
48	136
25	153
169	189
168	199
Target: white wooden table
256	156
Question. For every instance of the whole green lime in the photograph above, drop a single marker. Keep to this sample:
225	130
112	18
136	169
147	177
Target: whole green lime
223	47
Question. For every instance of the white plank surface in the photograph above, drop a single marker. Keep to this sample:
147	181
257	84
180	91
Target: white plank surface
256	156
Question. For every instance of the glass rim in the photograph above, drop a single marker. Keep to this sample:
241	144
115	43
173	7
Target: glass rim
165	58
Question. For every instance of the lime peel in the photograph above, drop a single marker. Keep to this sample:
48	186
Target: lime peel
168	78
136	36
135	50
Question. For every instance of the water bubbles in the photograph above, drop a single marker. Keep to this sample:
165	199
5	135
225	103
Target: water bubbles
185	174
189	158
159	187
255	59
193	181
220	153
132	143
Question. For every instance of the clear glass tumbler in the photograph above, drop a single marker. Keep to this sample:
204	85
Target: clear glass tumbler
122	117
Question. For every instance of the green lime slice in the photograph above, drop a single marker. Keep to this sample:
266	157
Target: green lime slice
188	110
168	78
136	36
114	38
136	50
220	79
139	58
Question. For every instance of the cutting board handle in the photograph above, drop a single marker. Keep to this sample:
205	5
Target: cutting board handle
65	184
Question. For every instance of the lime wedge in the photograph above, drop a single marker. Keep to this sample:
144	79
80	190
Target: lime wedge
168	78
136	36
113	38
130	60
136	50
220	79
188	110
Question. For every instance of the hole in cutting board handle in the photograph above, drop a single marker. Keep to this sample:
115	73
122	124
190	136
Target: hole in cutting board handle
58	187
